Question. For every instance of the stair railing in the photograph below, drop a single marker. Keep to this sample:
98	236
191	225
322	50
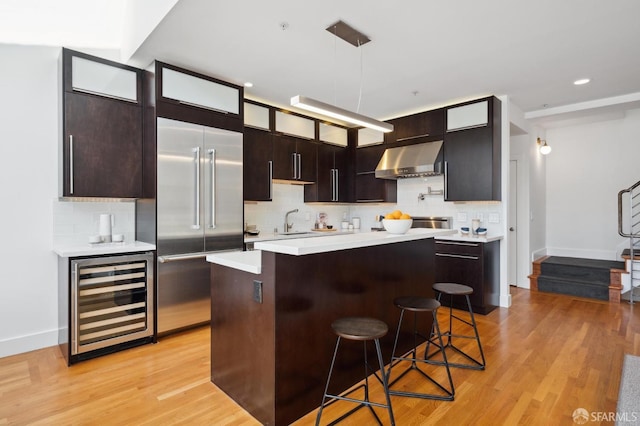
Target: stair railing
632	232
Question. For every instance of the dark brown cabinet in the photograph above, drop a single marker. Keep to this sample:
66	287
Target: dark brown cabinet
369	189
474	264
257	165
102	128
102	147
472	159
421	127
332	182
294	159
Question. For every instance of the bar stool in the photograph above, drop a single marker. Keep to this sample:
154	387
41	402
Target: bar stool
359	329
452	289
421	305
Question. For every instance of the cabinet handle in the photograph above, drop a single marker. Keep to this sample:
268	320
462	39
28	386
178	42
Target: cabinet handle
299	166
451	243
408	138
294	165
337	188
70	164
196	159
458	256
270	179
212	163
446	180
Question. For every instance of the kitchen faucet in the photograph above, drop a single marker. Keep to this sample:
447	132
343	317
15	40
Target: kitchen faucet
287	226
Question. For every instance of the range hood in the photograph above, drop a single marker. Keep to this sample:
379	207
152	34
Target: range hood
424	159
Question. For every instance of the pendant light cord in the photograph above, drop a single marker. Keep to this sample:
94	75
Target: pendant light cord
335	65
360	94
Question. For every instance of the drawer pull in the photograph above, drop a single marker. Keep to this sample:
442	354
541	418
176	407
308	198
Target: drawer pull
458	256
451	243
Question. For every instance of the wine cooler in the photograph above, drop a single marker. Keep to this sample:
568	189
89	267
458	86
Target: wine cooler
111	303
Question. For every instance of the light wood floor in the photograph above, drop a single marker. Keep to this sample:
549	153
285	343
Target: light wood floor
547	356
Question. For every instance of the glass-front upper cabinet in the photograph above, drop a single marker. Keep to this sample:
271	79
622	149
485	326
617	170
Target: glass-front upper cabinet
191	89
89	74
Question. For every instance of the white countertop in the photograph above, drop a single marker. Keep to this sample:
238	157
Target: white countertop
251	261
471	238
302	246
101	248
248	261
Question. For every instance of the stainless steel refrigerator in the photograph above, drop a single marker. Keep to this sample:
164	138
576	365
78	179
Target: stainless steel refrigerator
199	211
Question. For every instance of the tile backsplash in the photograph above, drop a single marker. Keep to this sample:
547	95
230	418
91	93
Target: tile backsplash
75	221
269	215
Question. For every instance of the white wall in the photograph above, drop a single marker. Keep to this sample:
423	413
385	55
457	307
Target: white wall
28	185
587	167
31	217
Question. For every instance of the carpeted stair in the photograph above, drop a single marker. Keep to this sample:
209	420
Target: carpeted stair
577	277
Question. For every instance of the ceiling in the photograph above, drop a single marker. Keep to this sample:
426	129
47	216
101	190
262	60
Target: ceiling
423	53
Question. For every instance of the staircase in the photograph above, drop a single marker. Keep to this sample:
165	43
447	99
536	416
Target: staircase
629	227
589	278
598	279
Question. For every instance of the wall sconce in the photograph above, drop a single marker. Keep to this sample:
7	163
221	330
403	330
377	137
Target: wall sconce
543	147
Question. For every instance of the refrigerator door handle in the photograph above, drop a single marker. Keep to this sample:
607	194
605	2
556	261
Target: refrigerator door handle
212	206
196	218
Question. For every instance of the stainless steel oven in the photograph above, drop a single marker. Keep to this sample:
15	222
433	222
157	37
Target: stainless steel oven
434	222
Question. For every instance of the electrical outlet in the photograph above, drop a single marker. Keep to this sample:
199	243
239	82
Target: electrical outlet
462	217
494	217
257	291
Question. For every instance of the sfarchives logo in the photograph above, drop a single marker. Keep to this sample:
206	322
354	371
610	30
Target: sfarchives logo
582	416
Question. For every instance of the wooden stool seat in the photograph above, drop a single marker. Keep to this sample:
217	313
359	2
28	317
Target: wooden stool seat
453	289
416	304
359	328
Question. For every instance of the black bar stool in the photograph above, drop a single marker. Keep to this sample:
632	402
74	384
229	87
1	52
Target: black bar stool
418	305
362	329
452	289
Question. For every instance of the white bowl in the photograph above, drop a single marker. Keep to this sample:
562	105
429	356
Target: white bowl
397	226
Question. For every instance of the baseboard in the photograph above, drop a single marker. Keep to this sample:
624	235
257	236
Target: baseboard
28	343
505	300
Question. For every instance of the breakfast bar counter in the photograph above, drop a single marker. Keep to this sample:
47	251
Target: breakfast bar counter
272	309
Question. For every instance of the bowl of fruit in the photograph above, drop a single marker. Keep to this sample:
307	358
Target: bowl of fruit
397	222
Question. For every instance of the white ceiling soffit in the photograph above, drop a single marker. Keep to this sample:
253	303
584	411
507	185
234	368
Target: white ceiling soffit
421	54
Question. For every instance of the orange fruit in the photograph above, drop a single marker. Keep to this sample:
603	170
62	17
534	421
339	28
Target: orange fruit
396	214
389	216
405	216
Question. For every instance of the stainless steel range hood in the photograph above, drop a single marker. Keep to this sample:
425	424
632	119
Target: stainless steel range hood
423	159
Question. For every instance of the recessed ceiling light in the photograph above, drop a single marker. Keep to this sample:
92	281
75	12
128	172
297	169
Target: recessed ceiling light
581	81
248	84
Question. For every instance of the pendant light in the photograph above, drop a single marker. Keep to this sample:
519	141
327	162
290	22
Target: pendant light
356	38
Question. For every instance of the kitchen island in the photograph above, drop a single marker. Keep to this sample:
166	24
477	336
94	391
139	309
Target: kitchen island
272	309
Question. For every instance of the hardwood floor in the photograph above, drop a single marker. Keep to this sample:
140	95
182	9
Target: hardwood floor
546	356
